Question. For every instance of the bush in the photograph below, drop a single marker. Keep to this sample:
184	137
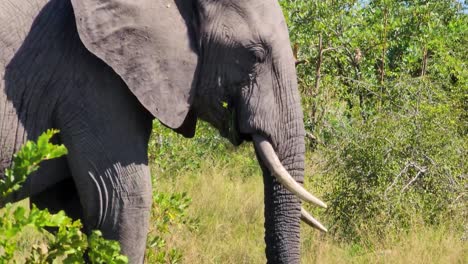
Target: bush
395	166
384	91
69	243
171	154
169	212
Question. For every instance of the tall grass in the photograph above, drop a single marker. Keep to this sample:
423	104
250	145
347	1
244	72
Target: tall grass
226	190
227	200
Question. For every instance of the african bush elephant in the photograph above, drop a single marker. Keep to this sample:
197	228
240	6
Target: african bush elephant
100	71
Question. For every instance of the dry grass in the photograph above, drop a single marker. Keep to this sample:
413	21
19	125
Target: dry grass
230	211
229	207
422	245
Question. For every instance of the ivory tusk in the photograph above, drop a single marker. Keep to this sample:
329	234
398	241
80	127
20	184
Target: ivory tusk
269	157
308	219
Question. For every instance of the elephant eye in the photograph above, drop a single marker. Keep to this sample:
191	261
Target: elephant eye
258	54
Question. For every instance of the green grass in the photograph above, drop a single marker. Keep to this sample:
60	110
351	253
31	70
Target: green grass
227	200
230	213
227	207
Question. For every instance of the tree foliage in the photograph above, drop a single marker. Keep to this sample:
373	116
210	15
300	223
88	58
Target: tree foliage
384	85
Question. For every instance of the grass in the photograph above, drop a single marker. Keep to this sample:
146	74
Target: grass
228	203
420	245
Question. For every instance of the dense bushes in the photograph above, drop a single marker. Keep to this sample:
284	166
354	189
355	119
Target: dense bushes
170	153
384	86
393	167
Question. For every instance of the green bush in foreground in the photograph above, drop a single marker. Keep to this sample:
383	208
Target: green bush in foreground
69	243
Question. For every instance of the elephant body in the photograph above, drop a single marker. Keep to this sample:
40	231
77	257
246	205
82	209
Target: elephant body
50	80
101	71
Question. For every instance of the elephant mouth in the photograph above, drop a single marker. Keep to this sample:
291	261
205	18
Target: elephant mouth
267	157
232	131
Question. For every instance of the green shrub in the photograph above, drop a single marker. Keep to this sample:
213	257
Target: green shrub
396	166
171	154
69	243
169	212
384	88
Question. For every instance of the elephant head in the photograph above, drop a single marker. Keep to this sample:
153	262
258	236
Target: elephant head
227	62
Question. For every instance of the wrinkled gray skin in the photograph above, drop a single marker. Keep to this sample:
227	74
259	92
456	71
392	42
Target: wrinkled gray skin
100	71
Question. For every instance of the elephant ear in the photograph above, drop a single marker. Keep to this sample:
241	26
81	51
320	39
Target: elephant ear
149	44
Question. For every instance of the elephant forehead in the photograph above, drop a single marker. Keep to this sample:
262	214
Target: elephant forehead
264	18
249	20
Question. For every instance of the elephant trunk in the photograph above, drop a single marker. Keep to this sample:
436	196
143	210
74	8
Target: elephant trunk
281	153
282	207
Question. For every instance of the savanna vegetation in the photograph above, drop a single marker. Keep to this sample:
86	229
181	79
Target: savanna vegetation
385	96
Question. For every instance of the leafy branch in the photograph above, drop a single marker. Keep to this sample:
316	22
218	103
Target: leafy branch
69	243
27	160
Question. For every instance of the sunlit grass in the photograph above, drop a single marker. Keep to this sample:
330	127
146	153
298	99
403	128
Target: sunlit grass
227	201
421	245
229	206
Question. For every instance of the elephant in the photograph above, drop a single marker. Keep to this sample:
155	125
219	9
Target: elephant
101	71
